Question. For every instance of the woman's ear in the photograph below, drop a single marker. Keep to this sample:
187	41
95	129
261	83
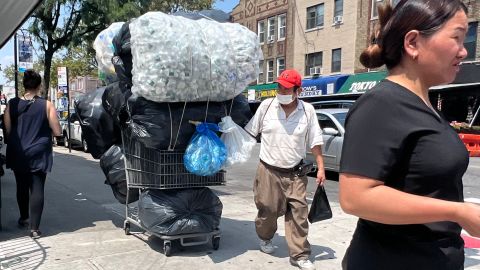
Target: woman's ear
411	44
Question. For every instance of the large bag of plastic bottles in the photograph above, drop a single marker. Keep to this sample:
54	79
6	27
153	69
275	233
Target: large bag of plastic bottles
206	153
104	52
176	59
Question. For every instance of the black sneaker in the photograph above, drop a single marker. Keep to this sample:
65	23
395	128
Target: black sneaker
22	223
35	234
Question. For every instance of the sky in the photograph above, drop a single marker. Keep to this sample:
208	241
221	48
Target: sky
6	52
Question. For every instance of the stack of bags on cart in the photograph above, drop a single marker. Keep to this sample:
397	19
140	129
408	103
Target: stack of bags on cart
174	82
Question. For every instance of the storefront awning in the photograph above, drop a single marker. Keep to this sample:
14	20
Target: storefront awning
259	92
326	85
361	82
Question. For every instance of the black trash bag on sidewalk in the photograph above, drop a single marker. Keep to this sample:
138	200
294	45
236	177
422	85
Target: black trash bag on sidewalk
114	102
156	125
180	211
113	166
97	125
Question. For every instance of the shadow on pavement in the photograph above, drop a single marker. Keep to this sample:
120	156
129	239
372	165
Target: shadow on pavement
237	237
75	195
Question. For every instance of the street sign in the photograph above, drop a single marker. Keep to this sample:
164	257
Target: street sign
63	89
25	53
62	76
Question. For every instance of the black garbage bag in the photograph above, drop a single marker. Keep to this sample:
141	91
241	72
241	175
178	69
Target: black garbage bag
97	125
156	125
120	192
180	211
114	102
122	56
113	166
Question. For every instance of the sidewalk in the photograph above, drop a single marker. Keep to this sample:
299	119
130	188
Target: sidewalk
82	227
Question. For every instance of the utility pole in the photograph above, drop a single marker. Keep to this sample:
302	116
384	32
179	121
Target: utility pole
16	63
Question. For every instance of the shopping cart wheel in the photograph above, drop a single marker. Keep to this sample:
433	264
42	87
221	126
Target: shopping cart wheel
216	242
167	248
126	227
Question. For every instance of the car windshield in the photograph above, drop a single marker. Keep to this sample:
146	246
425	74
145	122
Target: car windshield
340	117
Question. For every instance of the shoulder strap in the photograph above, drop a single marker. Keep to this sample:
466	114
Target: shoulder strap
264	114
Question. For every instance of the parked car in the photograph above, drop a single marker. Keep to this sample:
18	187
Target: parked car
332	104
76	138
332	122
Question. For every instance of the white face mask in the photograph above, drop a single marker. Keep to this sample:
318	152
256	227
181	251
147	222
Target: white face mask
285	99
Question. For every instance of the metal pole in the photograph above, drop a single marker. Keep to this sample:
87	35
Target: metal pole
15	63
474	117
68	116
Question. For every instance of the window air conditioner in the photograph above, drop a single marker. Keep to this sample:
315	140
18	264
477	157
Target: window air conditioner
316	71
337	19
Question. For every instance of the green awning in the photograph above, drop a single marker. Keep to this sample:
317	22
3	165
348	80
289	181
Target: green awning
266	86
259	92
361	82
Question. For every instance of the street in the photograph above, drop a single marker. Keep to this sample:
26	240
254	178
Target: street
83	226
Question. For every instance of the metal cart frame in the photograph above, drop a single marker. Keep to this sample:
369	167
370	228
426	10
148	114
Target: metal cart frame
147	168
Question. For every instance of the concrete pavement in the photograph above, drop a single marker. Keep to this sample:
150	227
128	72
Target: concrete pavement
82	227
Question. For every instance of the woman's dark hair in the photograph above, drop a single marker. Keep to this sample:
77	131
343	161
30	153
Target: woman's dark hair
426	16
31	79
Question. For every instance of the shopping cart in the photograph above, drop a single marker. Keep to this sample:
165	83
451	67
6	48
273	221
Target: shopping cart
148	168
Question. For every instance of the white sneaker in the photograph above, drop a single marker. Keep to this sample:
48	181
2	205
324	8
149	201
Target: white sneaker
303	264
266	246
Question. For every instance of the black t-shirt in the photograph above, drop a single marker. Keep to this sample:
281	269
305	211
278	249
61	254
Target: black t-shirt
393	136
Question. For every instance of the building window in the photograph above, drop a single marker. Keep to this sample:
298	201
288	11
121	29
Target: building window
395	2
313	60
271	28
260	74
338	9
470	42
280	65
375	5
269	71
336	60
282	26
261	31
315	16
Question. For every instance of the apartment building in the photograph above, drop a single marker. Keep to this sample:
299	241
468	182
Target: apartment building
272	21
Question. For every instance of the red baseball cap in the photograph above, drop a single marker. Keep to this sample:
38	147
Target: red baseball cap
290	78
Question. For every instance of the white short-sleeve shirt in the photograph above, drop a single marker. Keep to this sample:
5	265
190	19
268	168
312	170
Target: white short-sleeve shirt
285	140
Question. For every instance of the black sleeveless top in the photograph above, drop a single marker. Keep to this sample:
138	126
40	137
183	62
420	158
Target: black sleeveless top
29	147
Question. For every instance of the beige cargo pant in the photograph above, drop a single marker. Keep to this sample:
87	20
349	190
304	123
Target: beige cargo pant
277	194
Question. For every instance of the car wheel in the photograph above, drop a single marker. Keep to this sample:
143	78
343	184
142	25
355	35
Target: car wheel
65	141
84	145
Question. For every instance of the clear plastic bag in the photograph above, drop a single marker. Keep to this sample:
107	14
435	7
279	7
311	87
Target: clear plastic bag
104	52
206	153
238	142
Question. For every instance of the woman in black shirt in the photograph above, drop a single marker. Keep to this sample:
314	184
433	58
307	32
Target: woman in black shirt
402	164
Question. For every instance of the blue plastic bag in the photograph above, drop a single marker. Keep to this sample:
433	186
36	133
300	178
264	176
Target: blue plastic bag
206	153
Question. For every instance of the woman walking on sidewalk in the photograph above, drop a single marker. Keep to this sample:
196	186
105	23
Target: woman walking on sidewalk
30	122
402	175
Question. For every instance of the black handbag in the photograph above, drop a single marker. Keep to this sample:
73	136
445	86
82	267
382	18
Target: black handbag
320	209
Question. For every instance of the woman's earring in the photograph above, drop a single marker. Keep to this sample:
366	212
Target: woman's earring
414	57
